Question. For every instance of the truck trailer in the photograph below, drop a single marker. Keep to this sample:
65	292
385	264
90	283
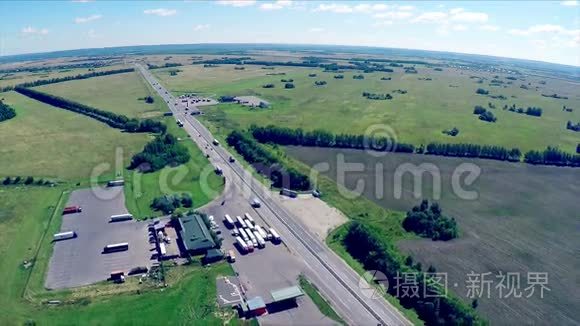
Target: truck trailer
115	183
228	221
261	242
121	217
64	236
241	245
249	217
116	247
241	222
72	210
275	236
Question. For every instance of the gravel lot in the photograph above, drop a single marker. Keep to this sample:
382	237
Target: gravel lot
81	261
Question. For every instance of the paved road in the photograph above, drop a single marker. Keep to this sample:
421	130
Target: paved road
333	277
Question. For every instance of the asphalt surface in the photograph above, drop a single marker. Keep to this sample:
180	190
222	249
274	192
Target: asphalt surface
336	281
81	261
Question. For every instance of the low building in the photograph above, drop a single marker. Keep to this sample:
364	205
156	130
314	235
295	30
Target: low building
285	294
256	307
213	255
194	235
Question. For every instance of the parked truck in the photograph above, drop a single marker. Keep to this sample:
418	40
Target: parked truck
262	232
241	245
275	236
261	241
116	247
244	234
72	210
241	222
228	221
249	217
115	183
64	236
121	217
289	193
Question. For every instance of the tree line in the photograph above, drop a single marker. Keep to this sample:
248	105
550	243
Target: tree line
266	163
552	156
375	252
428	221
475	151
6	112
375	96
166	65
112	119
164	150
41	82
28	181
322	138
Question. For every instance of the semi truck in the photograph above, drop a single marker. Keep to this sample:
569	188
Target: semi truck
115	183
241	222
228	221
121	217
252	237
249	217
289	193
262	232
64	235
261	242
241	244
275	236
250	225
116	247
244	235
72	210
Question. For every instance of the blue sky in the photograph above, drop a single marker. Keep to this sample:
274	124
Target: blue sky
537	30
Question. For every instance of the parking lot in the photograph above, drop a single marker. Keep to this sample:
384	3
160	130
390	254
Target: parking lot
81	261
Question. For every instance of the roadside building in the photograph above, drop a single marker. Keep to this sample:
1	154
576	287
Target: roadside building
195	235
213	255
256	307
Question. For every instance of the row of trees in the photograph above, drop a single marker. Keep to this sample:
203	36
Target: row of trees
6	112
266	163
484	115
322	138
553	156
26	181
428	221
169	203
166	65
374	96
164	150
472	150
375	252
114	120
41	82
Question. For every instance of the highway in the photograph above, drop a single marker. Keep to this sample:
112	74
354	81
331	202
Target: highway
336	281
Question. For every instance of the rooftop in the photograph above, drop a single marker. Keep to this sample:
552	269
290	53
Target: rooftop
194	233
286	293
256	303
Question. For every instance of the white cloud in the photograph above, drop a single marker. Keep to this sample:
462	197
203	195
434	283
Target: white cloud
82	1
383	23
459	28
82	20
280	4
431	17
406	8
518	32
347	9
200	27
469	17
572	3
489	28
160	12
456	11
236	3
316	30
29	30
546	29
394	15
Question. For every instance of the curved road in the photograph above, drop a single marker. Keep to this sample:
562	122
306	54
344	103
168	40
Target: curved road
334	278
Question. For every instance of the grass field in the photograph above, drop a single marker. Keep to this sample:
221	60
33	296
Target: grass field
417	117
189	299
11	79
116	93
196	177
524	220
49	142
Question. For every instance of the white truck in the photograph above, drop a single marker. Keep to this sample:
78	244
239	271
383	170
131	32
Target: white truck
228	221
64	235
249	217
244	235
275	236
241	222
249	225
261	241
242	246
121	217
252	237
262	232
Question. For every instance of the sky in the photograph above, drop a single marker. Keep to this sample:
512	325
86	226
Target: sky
537	30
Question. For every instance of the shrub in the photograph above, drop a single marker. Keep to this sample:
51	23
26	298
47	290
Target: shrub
28	180
482	91
289	85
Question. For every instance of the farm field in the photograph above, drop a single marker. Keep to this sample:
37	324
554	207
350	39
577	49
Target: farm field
525	220
196	177
177	302
50	142
117	93
418	117
11	79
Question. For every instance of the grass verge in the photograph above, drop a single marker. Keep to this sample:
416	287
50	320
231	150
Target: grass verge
323	305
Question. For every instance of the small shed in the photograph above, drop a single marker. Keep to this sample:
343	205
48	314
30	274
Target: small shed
256	306
289	293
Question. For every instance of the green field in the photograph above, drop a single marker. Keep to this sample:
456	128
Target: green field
49	142
196	177
116	93
418	117
190	297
